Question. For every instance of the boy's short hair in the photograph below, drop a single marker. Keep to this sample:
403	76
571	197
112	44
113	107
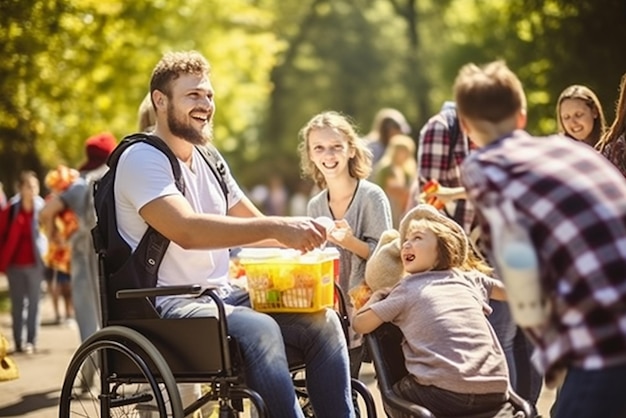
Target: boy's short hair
172	65
491	93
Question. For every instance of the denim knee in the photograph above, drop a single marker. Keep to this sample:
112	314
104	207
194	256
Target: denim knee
258	336
313	333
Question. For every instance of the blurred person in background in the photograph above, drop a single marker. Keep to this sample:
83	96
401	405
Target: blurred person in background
58	257
22	247
78	197
579	114
387	123
395	173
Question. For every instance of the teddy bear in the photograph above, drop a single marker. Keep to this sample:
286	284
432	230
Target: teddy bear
383	268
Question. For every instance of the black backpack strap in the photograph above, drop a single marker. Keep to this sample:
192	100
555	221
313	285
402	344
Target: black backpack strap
156	142
217	166
152	246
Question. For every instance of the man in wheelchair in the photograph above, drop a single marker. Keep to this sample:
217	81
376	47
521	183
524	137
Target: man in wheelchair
455	363
203	223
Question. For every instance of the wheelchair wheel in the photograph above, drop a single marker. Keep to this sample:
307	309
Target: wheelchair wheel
364	405
117	372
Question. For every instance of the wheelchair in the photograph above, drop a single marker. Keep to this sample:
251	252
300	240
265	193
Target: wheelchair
139	361
384	346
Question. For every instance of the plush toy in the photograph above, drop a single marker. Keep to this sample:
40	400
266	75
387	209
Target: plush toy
383	268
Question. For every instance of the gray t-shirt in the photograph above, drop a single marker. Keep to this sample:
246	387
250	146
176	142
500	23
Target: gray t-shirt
368	215
448	342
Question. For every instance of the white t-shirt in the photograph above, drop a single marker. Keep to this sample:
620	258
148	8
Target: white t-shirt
144	174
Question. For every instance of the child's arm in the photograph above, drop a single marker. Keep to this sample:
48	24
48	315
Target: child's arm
498	291
366	321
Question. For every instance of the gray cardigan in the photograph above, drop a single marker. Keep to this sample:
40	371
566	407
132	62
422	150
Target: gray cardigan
369	214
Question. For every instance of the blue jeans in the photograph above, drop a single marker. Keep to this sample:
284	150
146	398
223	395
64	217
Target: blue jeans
524	377
505	329
25	292
270	343
593	393
529	380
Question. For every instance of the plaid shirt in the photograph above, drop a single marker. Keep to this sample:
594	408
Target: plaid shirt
615	152
572	202
432	162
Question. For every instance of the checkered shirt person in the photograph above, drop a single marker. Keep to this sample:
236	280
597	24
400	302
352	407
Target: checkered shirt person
573	204
432	161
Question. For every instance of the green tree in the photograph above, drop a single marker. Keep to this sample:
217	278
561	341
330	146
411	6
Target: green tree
76	67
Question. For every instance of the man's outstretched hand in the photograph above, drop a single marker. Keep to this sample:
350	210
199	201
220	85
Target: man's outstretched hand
300	233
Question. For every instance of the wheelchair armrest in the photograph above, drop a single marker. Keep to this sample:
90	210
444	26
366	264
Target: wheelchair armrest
521	404
149	292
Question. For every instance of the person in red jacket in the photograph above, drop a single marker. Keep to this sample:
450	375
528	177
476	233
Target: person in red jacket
22	247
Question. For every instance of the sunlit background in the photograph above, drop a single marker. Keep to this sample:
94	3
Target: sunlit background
72	68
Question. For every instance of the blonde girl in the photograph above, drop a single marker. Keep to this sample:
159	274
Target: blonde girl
338	161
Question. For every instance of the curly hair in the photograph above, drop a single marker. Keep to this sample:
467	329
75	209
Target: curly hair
359	166
174	64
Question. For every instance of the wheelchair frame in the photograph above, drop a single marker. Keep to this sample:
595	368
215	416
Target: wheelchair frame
384	345
140	356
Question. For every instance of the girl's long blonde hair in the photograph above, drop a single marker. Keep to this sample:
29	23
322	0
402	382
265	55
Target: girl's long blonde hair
359	166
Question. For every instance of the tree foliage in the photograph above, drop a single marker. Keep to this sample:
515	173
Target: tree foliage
76	67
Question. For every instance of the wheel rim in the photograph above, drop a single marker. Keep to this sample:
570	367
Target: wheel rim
135	392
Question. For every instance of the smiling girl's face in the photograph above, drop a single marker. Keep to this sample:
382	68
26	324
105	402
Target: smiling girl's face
419	251
577	118
330	151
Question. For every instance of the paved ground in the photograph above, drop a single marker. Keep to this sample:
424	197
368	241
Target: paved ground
36	393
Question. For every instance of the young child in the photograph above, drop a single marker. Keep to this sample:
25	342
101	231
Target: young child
456	365
58	257
572	203
338	161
